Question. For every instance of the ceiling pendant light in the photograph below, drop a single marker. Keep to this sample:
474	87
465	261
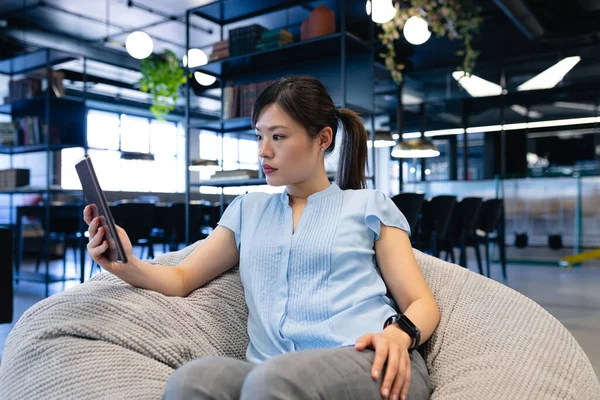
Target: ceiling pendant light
136	156
417	148
197	58
416	31
381	11
139	45
198	164
204	79
382	139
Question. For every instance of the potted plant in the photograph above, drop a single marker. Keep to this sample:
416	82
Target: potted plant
455	19
162	76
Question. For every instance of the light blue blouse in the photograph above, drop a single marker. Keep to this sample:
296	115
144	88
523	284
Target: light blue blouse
317	287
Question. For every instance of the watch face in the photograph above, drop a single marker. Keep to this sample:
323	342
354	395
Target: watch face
404	321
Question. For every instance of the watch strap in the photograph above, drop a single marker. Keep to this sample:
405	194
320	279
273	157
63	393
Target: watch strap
407	326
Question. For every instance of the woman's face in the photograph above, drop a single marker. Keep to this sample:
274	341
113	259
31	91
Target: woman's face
288	155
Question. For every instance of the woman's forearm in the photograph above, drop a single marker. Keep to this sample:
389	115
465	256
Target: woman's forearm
425	314
165	280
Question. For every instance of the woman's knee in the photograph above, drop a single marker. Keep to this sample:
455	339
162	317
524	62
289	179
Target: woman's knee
273	379
205	378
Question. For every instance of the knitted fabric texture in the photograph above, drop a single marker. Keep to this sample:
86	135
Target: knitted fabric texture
105	339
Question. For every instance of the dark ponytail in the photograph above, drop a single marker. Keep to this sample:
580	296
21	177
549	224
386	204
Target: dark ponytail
306	100
353	154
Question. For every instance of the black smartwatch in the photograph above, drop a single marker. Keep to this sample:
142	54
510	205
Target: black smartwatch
407	326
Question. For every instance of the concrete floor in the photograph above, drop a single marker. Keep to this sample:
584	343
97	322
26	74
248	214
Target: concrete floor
572	296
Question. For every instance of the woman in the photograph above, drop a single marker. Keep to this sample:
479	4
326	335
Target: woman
316	263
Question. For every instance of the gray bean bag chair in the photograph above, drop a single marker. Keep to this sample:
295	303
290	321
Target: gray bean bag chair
107	340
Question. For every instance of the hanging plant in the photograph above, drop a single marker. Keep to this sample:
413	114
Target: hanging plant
162	76
455	19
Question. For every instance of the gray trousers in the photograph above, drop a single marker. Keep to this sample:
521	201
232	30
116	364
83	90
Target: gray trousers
337	373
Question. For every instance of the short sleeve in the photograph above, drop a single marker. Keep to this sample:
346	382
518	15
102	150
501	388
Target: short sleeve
382	210
232	218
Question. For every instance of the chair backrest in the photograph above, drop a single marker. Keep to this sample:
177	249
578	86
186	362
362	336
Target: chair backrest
490	215
135	217
197	220
464	216
65	218
436	215
410	204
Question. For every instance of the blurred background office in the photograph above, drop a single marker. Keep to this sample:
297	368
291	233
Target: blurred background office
483	115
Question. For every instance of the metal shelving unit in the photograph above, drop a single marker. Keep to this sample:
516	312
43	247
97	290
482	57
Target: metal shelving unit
47	107
334	59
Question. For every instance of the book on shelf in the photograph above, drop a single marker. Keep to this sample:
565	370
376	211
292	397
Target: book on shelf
244	97
8	134
31	86
23	89
27	130
220	50
274	39
243	40
235	174
228	93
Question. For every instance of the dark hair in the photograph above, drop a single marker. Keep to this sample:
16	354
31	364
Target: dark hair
306	100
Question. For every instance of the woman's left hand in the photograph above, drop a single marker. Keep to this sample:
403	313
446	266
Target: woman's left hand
392	345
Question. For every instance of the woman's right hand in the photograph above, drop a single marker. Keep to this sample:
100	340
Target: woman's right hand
98	244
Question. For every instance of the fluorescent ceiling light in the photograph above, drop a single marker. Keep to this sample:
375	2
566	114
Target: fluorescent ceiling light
441	132
569	133
550	77
575	106
411	135
506	127
476	86
523	111
563	122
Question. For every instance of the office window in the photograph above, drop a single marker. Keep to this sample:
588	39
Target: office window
135	134
103	130
238	153
109	132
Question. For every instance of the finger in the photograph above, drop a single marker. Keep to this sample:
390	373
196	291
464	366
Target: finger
87	215
92	228
400	378
381	353
407	377
97	252
391	371
97	239
363	341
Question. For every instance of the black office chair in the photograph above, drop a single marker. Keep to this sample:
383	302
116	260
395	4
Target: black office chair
410	204
489	230
67	230
137	219
462	225
433	227
201	216
161	230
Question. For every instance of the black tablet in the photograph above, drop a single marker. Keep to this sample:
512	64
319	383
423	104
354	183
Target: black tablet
96	199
